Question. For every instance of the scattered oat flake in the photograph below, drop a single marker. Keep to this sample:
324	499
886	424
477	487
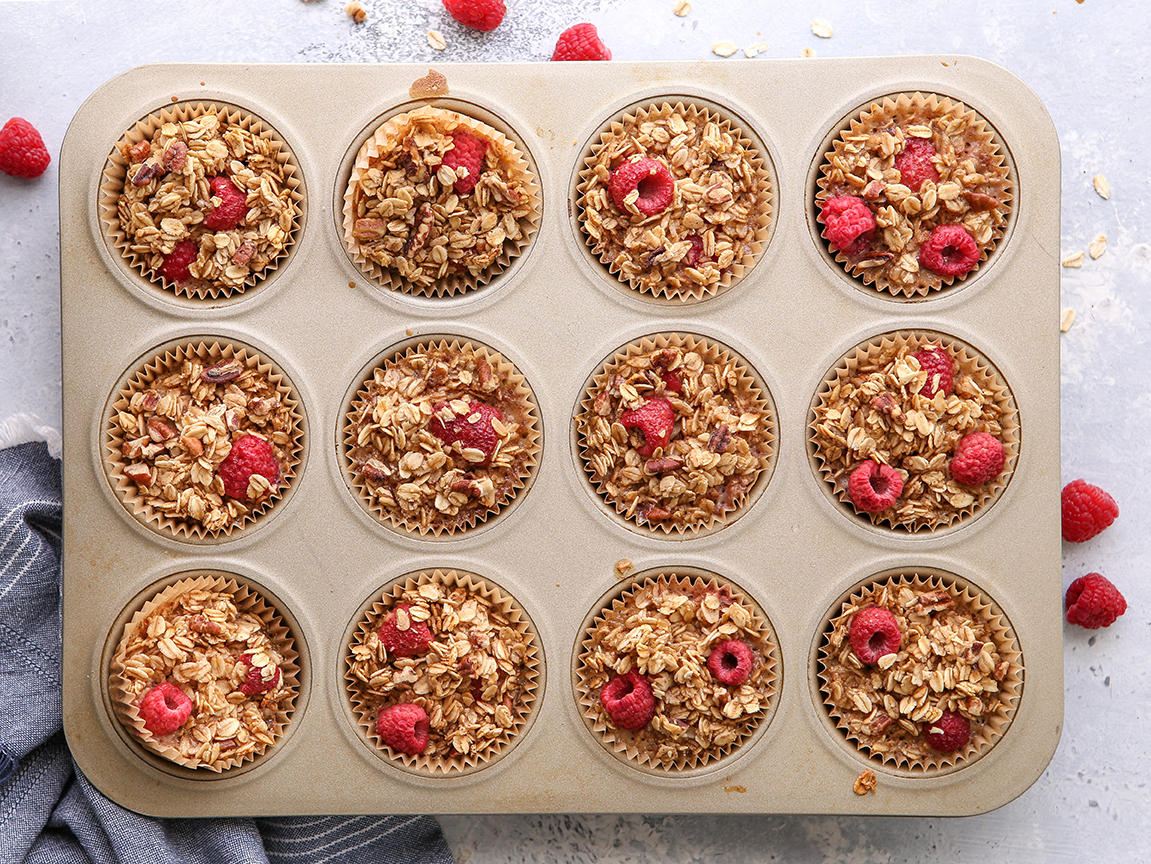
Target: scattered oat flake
757	48
1066	320
1075	259
682	7
1101	186
865	782
356	11
1098	246
807	52
436	40
821	28
724	49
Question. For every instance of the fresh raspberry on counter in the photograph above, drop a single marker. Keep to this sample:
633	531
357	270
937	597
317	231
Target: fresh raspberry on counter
255	679
1092	601
175	266
655	418
948	733
581	42
978	458
482	15
914	163
1087	510
874	487
848	223
232	209
949	251
404	727
473	430
402	636
249	456
936	362
874	633
22	150
649	178
468	151
731	661
628	701
165	708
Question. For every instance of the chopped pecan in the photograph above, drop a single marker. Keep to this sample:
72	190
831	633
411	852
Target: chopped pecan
158	430
878	723
980	202
151	400
140	151
200	624
193	445
225	370
653	513
374	470
139	473
483	372
1000	671
244	254
720	439
664	358
421	230
259	407
888	404
664	463
175	154
873	190
654	257
145	173
370	229
934	601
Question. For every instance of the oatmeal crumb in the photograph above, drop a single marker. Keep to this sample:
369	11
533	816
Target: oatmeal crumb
807	52
1098	246
623	568
1101	186
1066	320
821	28
757	48
865	782
436	40
1075	259
356	11
724	49
682	7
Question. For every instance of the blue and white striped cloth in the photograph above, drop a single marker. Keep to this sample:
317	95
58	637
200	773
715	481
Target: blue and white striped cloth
49	812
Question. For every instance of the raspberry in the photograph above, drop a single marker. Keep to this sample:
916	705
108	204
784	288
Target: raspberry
175	266
411	641
936	362
403	727
581	42
731	661
914	163
650	178
694	253
473	429
1093	602
849	225
255	680
874	633
232	209
949	251
655	418
249	455
948	733
977	458
1087	510
165	708
874	487
628	701
22	151
482	15
468	151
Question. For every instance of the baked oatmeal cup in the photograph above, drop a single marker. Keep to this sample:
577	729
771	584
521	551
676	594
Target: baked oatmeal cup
677	671
676	434
914	431
675	200
920	671
438	203
206	674
914	195
202	199
441	437
203	440
444	672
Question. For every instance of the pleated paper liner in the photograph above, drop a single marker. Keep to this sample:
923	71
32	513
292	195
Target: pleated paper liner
244	142
192	506
913	512
446	691
207	737
620	476
949	123
428	201
376	439
676	135
642	749
898	750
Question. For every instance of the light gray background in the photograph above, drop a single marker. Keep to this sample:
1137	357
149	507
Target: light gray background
1086	61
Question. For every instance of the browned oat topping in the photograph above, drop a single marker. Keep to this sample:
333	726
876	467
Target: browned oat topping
476	680
415	478
665	629
720	444
950	659
973	189
721	205
876	412
166	195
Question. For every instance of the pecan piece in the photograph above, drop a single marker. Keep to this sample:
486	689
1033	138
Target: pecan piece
194	446
934	601
158	430
200	624
374	470
664	463
1000	671
369	229
421	230
175	154
225	370
145	173
259	407
720	439
979	202
654	513
244	254
139	473
886	402
878	723
873	190
140	151
150	401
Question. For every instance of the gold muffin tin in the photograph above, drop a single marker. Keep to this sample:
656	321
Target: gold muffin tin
556	312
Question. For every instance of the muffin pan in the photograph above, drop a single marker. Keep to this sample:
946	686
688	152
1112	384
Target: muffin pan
321	558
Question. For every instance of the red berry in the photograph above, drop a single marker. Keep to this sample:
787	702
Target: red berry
914	163
949	251
949	733
628	701
175	266
404	727
483	15
655	419
232	209
249	455
468	151
472	430
874	487
694	253
936	362
581	42
671	382
731	661
1087	510
1093	602
652	180
978	457
411	640
874	633
22	151
849	225
165	708
258	679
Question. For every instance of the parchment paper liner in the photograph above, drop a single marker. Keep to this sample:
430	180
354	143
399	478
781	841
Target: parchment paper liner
159	366
115	171
906	109
762	208
1011	687
629	746
712	352
365	707
985	375
246	599
513	164
502	369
